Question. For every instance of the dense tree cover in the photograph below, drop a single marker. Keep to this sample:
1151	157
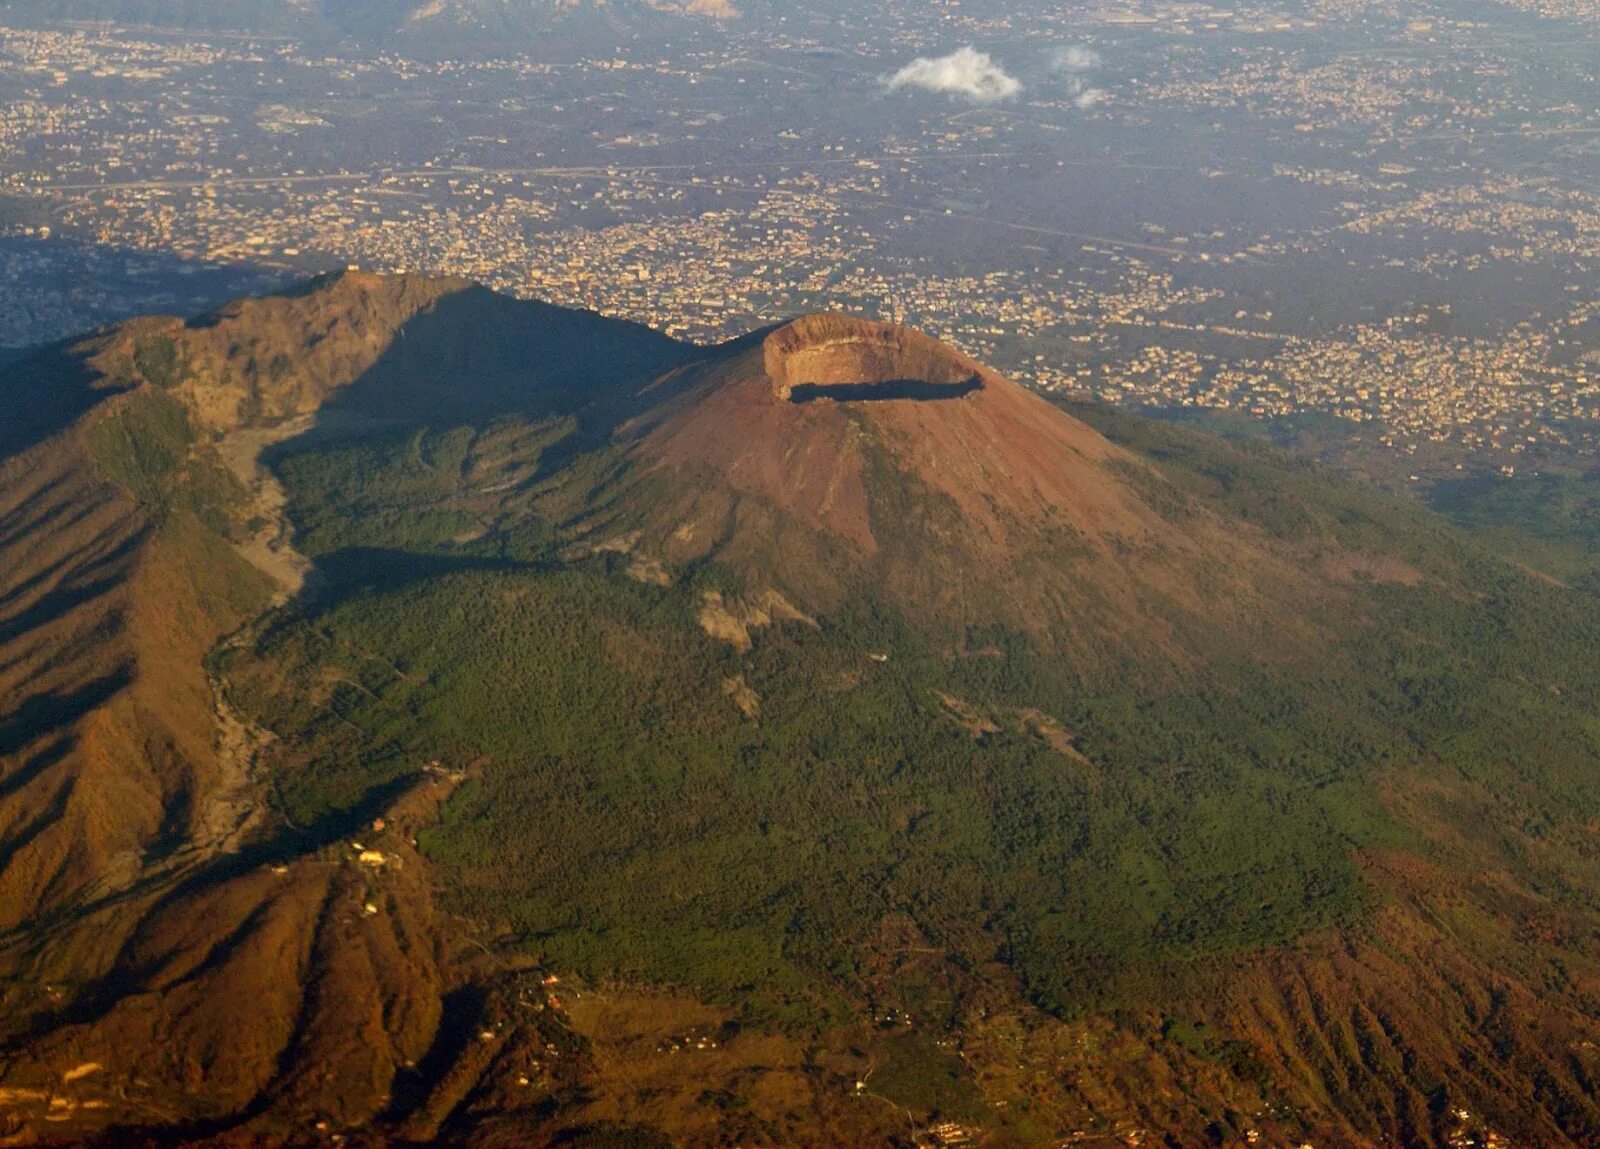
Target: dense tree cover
401	490
1550	520
624	817
143	445
148	446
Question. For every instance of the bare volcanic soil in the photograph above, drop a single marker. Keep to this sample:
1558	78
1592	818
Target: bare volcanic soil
835	457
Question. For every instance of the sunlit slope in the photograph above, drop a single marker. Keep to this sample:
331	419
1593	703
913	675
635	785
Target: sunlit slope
841	635
147	897
110	604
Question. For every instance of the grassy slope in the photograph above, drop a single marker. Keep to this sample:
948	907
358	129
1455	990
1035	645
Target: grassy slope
1550	521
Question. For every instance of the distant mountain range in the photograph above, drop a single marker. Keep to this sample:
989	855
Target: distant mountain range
419	25
427	716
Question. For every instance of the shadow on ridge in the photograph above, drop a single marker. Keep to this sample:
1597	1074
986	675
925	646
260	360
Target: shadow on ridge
42	714
919	390
45	380
476	354
46	391
127	975
467	358
353	570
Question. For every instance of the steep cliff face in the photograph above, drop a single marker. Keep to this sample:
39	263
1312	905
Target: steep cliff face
844	358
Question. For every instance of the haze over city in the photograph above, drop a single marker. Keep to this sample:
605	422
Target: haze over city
1384	214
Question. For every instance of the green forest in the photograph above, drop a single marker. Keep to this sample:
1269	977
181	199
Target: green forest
624	817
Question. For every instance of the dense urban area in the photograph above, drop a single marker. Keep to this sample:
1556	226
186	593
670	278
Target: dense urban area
1334	209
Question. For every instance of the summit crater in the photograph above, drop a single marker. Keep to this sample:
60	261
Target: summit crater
842	357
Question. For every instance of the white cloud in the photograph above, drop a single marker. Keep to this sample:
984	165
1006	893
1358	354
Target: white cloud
965	72
1077	61
1077	58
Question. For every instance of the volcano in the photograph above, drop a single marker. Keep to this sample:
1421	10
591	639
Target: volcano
834	458
432	717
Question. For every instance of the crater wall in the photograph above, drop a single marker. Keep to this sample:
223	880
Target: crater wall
845	359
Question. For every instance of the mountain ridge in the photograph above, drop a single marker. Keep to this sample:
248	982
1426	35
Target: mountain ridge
425	27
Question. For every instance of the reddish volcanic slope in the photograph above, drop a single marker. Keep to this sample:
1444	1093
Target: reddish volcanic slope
1008	460
834	456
